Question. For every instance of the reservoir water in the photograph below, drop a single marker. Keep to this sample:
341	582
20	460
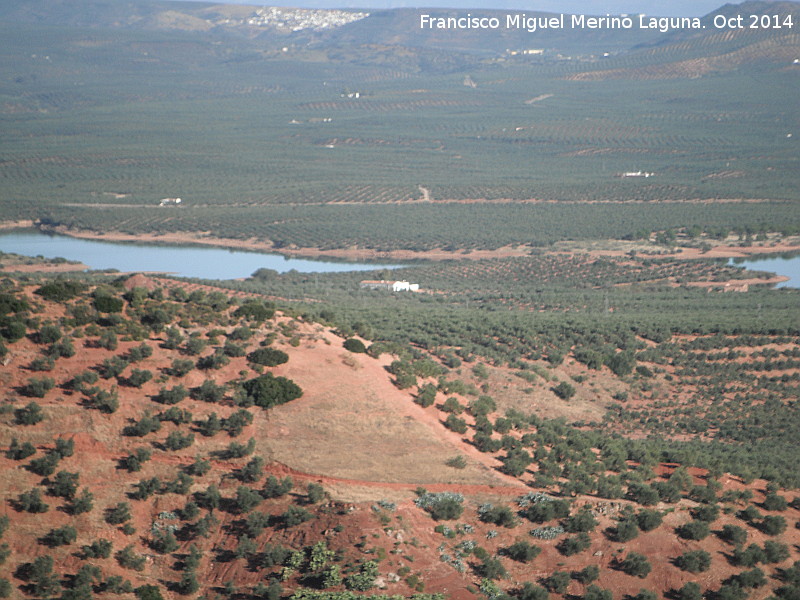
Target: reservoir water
185	261
788	266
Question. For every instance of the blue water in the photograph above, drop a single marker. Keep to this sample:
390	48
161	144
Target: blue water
788	267
191	261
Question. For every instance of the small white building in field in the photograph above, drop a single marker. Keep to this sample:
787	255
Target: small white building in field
390	286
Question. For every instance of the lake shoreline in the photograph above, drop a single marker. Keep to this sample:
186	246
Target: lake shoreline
355	254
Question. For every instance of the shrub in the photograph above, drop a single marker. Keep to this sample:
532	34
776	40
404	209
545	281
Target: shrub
492	568
295	515
37	387
648	519
774	501
636	565
98	549
119	514
138	377
32	413
60	291
582	521
253	470
445	506
690	591
454	423
773	525
575	544
107	304
171	396
209	391
315	492
695	561
456	462
147	424
275	488
364	579
626	530
45	465
733	534
31	501
129	559
775	552
523	551
17	451
497	515
254	311
61	536
178	441
557	582
564	390
586	575
267	390
63	485
180	367
355	345
693	530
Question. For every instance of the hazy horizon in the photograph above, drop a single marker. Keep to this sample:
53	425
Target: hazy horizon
689	8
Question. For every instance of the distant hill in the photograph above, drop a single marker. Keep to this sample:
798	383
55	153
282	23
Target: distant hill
377	37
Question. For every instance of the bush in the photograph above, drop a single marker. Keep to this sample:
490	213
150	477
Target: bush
315	492
295	515
557	582
523	551
574	545
498	515
586	575
60	291
582	521
32	413
129	559
492	568
178	441
733	535
267	390
275	488
690	591
98	549
209	391
37	387
773	525
564	390
626	530
31	501
119	514
648	520
62	536
456	424
355	345
171	396
17	451
693	530
254	311
442	507
774	501
63	485
180	367
108	304
636	565
364	579
695	561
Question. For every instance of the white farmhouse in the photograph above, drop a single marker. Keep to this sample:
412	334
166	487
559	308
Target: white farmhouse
390	286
